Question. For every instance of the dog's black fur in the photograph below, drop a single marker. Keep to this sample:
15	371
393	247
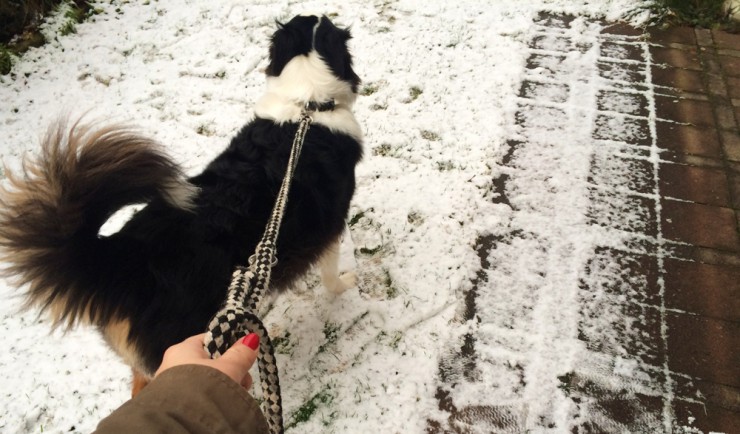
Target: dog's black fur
165	273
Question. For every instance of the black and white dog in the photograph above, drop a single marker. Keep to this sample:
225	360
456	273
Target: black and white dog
165	273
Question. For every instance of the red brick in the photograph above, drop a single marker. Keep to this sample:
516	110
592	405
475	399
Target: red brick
684	110
700	225
688	139
734	180
731	144
733	86
725	117
704	348
730	65
707	418
684	79
680	35
678	58
696	184
703	289
704	37
726	40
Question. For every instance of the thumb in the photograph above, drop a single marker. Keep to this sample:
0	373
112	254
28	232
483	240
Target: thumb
242	354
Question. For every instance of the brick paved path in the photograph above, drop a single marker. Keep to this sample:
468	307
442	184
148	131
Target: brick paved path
698	86
657	311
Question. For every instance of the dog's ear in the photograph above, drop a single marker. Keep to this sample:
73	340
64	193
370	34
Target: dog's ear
289	40
331	44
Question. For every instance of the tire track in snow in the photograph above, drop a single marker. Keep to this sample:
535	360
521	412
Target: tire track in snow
567	315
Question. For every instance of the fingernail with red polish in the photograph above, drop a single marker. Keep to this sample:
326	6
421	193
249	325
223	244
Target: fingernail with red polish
252	341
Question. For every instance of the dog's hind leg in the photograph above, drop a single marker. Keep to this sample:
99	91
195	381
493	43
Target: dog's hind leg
329	269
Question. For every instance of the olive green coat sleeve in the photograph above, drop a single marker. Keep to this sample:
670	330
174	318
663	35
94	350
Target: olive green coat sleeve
188	399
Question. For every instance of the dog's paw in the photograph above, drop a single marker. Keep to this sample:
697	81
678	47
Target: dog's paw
344	282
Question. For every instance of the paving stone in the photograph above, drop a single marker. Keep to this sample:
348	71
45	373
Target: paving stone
716	85
731	144
681	35
700	225
625	129
707	418
701	254
733	179
625	274
734	166
688	139
685	387
695	184
622	102
688	59
691	160
553	92
730	65
703	37
726	40
710	62
725	117
622	29
677	93
704	348
627	72
693	112
622	51
731	53
684	79
704	289
733	87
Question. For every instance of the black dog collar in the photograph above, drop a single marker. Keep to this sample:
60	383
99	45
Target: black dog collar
326	106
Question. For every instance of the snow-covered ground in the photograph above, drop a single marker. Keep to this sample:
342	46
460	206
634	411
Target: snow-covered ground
443	108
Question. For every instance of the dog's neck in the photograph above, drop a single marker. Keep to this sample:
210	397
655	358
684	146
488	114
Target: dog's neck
307	79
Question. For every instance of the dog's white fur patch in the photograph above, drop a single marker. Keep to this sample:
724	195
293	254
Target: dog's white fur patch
308	78
332	280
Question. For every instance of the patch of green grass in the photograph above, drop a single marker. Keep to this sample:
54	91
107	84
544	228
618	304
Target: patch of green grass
697	13
76	13
331	332
356	218
309	408
376	107
392	340
391	291
430	135
415	92
383	150
6	60
370	251
283	344
205	130
414	218
68	28
369	89
445	166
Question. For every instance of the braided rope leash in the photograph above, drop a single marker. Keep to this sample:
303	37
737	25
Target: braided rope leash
238	315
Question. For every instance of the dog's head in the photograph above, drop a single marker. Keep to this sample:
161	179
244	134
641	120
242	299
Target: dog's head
313	37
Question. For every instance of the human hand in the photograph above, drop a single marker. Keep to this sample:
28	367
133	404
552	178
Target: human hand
235	362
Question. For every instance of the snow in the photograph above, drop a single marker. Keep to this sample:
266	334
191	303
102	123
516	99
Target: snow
443	102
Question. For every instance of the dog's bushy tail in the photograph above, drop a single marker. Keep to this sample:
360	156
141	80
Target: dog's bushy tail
51	212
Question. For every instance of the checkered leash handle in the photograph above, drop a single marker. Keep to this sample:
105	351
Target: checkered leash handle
238	315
